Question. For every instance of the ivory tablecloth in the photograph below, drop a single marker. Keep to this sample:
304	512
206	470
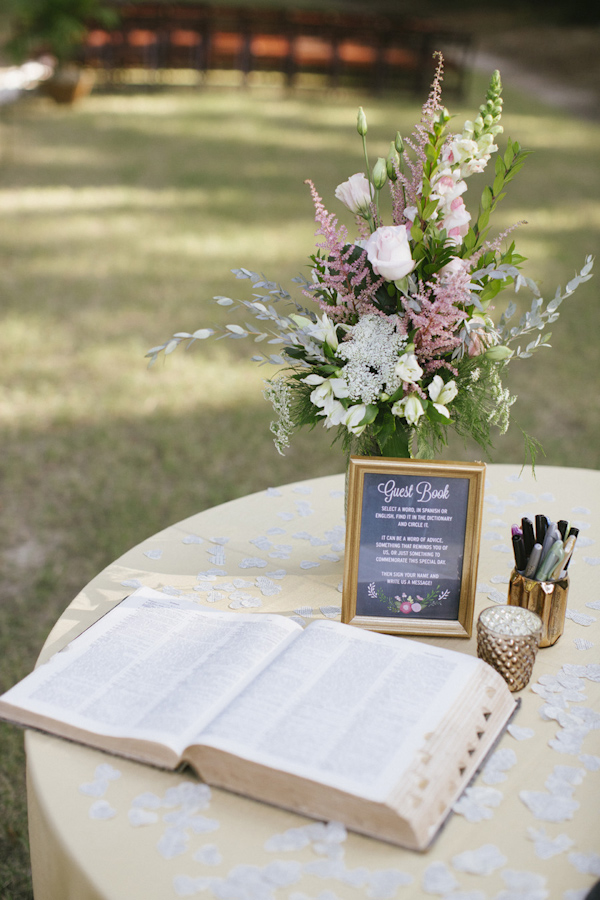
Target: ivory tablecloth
105	828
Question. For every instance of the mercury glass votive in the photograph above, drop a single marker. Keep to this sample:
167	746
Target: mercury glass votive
508	638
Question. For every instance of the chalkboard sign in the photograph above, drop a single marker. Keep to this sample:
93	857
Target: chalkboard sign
412	545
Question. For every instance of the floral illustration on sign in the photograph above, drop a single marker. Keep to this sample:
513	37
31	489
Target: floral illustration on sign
404	346
405	603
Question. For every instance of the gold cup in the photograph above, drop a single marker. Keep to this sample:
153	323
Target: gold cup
546	598
507	639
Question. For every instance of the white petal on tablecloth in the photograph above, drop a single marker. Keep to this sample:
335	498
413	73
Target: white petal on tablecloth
546	847
483	861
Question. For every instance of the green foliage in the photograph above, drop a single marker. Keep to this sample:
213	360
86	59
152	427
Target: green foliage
57	27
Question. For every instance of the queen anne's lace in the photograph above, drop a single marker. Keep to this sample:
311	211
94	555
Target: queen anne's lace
372	350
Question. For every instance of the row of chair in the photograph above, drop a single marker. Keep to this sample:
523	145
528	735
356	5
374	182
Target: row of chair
375	49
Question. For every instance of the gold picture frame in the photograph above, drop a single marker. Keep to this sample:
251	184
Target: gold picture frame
412	527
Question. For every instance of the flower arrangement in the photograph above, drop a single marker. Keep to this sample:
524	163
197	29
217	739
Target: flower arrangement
405	346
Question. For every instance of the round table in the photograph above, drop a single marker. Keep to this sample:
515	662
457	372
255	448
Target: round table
106	827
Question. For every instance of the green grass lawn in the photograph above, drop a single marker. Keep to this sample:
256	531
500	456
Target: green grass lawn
120	219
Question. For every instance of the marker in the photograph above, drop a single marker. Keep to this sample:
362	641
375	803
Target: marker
550	561
569	546
541	524
534	561
552	535
519	551
574	536
563	527
528	534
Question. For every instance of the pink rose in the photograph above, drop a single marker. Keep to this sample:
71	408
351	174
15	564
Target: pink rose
388	251
406	607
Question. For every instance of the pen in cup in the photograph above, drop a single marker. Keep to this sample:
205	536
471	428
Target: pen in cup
548	557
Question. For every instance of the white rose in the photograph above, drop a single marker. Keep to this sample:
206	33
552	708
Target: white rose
388	252
356	193
442	393
410	407
408	369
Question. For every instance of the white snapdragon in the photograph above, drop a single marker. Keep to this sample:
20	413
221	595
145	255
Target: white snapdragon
409	407
442	394
451	212
468	156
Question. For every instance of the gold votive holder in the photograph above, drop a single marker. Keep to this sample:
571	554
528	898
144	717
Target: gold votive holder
546	598
507	639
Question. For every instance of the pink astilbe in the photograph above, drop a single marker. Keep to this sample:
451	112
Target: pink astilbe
494	245
349	281
400	189
405	191
434	102
438	321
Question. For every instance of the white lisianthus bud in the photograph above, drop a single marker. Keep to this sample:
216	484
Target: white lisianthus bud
380	173
356	193
361	122
408	368
410	407
393	162
388	251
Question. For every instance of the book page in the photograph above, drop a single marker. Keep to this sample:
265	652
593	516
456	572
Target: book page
343	706
155	667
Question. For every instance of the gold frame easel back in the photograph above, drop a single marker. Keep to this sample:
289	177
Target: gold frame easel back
474	473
